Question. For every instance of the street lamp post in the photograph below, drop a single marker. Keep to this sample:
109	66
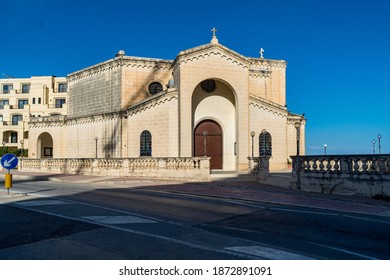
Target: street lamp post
21	153
325	146
96	143
373	146
297	125
252	135
379	143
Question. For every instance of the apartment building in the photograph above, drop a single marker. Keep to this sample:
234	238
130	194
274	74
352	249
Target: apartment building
24	98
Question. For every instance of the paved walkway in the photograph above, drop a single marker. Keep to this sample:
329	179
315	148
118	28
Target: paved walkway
275	190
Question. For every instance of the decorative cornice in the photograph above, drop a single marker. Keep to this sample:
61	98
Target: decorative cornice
268	106
127	61
263	73
293	118
148	63
47	121
152	102
267	63
96	118
210	50
94	70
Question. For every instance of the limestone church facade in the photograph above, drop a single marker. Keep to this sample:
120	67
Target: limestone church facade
209	101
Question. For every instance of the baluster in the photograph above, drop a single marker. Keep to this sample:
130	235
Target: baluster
364	164
328	165
188	163
336	165
374	166
382	166
321	166
355	165
315	164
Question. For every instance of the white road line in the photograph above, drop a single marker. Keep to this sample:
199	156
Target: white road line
385	214
367	219
268	253
117	220
303	211
345	251
31	203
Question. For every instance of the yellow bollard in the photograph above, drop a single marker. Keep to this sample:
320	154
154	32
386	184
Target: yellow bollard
8	181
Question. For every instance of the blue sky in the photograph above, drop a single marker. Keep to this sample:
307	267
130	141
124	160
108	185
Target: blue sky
338	52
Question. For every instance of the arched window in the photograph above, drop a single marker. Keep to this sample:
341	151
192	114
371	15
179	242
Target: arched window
146	144
265	143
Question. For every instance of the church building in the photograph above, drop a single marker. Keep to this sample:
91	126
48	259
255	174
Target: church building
209	101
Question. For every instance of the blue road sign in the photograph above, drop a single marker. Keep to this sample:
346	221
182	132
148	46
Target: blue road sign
9	161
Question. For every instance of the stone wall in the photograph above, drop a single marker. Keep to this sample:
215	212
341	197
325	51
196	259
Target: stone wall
159	116
267	79
95	90
138	73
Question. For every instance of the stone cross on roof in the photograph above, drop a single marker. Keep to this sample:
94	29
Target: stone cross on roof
214	40
214	30
261	53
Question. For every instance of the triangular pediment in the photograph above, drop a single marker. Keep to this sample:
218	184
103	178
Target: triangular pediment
209	49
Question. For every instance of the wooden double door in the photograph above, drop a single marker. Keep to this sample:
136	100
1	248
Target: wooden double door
208	142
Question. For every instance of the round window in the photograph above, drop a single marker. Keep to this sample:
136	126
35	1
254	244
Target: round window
208	85
155	88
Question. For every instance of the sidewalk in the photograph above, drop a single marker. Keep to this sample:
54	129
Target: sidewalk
275	190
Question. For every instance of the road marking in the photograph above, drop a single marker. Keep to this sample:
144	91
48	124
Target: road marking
368	219
303	211
146	234
268	253
116	220
385	213
345	251
45	202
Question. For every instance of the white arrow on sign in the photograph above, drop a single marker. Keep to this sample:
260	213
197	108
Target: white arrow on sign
7	163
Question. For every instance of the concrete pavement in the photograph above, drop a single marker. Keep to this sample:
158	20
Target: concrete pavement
228	186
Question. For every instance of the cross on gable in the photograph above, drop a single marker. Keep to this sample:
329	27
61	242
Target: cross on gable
261	53
214	30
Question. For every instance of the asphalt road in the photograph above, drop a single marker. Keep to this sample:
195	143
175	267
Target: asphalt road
77	221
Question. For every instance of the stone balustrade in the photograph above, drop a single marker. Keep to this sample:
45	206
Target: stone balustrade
343	174
189	169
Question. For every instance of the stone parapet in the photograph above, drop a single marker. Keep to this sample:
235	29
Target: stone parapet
344	174
259	167
188	169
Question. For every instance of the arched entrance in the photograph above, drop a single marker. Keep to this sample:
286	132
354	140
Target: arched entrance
208	142
45	146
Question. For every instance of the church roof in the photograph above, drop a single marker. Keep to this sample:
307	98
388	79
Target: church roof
214	44
165	64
